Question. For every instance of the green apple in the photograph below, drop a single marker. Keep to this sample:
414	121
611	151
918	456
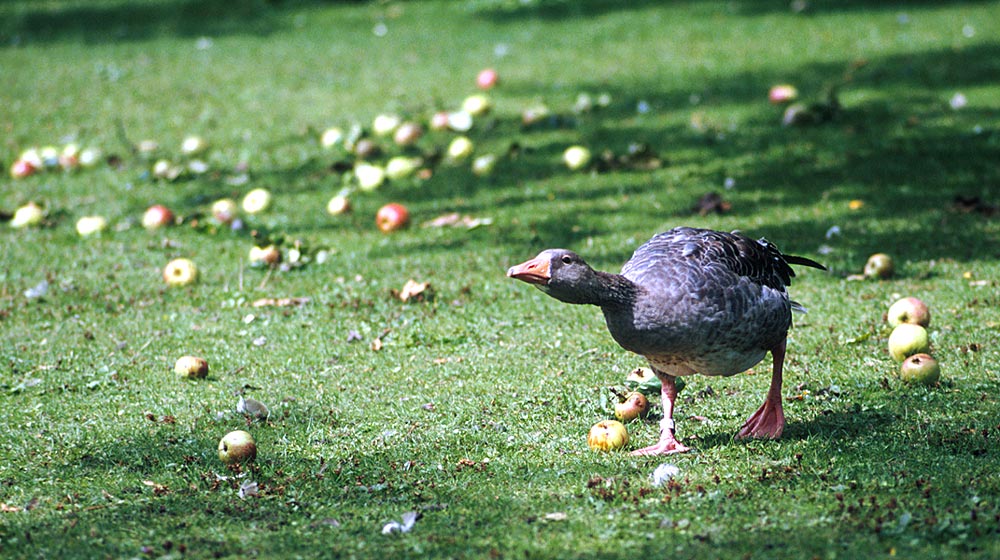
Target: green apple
257	200
191	367
478	104
264	256
90	225
369	176
906	340
237	447
385	124
460	148
401	167
879	265
576	157
180	272
607	435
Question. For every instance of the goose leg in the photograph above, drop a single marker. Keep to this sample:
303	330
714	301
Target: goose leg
668	442
769	420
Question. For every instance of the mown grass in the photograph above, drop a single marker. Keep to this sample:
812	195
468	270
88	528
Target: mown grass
473	411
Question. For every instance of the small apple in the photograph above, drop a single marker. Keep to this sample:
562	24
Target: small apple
439	120
908	310
634	406
157	216
401	167
477	104
331	137
879	265
385	124
89	225
607	435
460	121
162	169
487	79
264	256
369	176
407	134
237	447
34	157
69	157
191	367
257	200
576	157
224	210
193	145
484	165
535	114
391	217
49	155
22	168
30	214
782	93
366	148
89	157
921	369
460	148
906	340
180	272
643	380
339	204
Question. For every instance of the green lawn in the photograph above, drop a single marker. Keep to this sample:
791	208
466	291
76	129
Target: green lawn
472	406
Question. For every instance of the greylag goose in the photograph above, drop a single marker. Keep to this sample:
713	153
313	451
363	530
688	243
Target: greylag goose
689	301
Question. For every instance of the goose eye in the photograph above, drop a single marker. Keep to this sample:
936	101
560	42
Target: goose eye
566	259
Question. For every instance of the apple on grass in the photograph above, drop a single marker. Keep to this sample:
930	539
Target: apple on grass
908	310
906	340
90	225
22	168
392	217
339	204
224	210
180	272
237	447
460	148
407	134
385	124
477	105
157	216
369	176
634	406
191	367
193	145
264	256
782	93
257	200
331	137
576	157
401	167
30	214
607	435
920	369
487	79
879	265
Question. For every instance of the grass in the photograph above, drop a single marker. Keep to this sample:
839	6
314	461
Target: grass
474	406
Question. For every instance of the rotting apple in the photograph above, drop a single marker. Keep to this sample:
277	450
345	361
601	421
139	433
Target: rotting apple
191	367
906	340
635	405
269	255
908	310
224	210
392	217
180	272
921	369
607	435
237	447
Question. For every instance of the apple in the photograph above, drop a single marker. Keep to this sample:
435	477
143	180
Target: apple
407	134
477	104
484	165
89	157
224	210
369	176
401	167
193	145
89	225
908	339
385	124
782	93
535	114
191	367
197	166
264	256
439	121
331	137
644	381
147	147
162	169
257	200
339	204
237	447
391	217
607	435
921	369
460	121
49	155
460	148
879	265
34	157
22	168
576	157
180	272
365	148
634	406
30	214
157	216
487	79
908	310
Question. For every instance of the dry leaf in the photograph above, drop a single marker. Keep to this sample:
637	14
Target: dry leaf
376	345
455	219
555	516
417	291
280	302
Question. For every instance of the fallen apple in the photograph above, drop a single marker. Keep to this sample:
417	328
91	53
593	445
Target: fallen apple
264	256
69	157
224	210
366	148
460	148
33	157
921	369
385	124
439	121
908	310
576	157
607	435
460	121
257	200
28	215
635	405
484	165
487	79
90	225
193	145
191	367
339	204
163	169
146	148
89	157
401	167
157	216
331	137
22	168
879	265
782	93
906	340
369	176
407	134
49	155
392	217
180	272
237	447
477	104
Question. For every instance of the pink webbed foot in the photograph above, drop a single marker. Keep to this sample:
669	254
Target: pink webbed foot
666	446
767	422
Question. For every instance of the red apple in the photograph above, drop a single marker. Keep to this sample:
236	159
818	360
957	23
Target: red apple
237	447
906	340
921	369
908	310
157	216
487	79
607	435
782	93
22	168
391	217
439	121
634	406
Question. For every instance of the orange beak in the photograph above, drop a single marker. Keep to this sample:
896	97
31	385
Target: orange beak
535	271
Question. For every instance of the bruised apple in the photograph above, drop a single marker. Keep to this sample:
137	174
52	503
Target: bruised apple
607	435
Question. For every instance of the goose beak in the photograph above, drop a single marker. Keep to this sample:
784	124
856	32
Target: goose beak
535	271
